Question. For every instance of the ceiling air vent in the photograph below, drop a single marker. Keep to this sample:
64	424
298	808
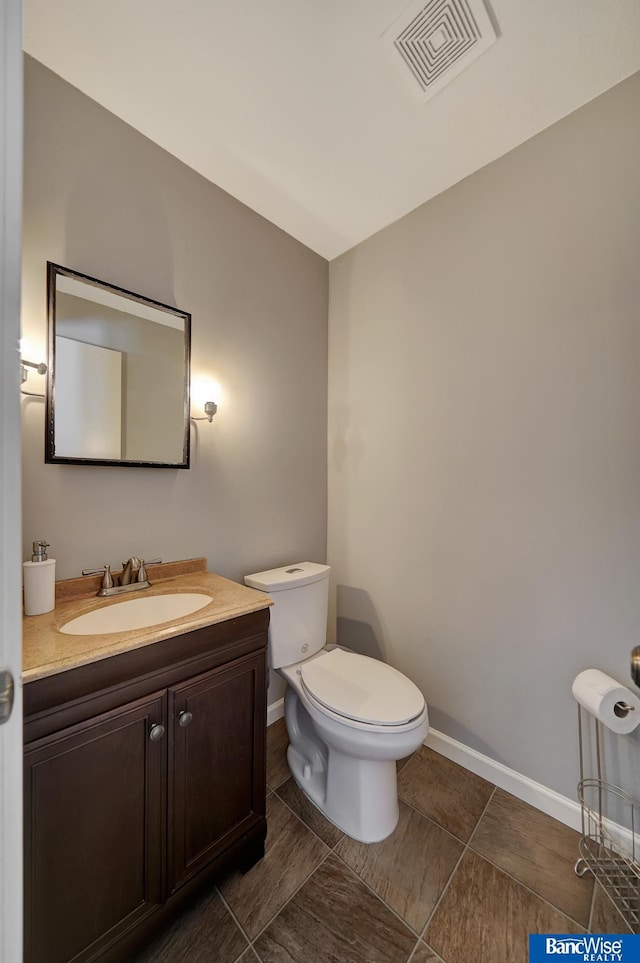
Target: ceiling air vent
435	42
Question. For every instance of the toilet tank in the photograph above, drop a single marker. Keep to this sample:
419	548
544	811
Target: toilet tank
298	624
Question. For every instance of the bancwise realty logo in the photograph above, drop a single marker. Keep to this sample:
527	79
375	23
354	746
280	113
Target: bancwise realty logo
618	948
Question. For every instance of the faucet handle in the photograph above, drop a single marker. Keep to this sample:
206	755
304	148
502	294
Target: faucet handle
142	572
107	581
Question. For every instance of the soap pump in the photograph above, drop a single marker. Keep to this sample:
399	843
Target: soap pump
39	581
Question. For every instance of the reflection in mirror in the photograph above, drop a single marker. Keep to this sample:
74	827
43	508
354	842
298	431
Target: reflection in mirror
118	388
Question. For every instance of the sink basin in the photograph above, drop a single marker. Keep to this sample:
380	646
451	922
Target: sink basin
136	614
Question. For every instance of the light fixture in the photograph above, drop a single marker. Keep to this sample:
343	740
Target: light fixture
210	408
40	368
203	391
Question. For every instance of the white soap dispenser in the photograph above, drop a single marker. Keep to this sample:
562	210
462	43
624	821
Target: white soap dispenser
39	581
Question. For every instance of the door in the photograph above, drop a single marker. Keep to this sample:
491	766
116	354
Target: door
10	602
86	371
94	831
217	759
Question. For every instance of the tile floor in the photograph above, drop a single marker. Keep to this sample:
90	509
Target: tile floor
469	872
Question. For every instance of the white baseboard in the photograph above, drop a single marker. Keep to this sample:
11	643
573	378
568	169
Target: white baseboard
562	808
275	711
565	810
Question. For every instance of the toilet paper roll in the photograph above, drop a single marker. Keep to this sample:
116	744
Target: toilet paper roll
617	707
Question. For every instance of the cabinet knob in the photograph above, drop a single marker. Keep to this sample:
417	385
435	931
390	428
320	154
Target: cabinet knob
156	733
184	718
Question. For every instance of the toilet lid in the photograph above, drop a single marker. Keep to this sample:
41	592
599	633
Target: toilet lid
361	688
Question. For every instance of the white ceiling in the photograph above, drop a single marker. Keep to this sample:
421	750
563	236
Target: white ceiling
296	107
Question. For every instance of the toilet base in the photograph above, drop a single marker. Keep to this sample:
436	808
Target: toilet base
359	796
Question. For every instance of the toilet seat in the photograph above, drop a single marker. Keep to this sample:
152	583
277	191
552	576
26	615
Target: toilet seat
363	690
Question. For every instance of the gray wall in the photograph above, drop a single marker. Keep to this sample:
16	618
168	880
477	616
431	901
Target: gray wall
102	199
484	438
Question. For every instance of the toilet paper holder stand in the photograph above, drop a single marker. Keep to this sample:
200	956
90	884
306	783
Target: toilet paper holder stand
609	848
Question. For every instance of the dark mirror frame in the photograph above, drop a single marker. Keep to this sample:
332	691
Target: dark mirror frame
53	272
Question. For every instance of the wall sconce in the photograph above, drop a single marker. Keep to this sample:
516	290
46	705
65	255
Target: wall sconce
24	374
210	408
203	391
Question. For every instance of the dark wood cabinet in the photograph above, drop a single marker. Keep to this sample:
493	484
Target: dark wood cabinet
217	742
144	776
94	798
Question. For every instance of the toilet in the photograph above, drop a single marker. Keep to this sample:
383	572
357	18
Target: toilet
349	717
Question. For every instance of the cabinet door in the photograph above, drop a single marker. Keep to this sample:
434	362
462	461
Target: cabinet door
94	807
217	758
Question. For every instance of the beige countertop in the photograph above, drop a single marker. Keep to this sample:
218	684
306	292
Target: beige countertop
47	651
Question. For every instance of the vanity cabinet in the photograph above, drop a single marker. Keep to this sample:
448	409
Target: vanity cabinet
213	747
144	776
94	800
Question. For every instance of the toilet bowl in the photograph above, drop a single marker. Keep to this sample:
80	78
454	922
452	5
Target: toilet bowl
344	764
349	717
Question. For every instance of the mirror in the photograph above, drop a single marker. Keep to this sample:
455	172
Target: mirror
118	383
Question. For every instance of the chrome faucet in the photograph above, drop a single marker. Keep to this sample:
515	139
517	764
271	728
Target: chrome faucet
134	576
